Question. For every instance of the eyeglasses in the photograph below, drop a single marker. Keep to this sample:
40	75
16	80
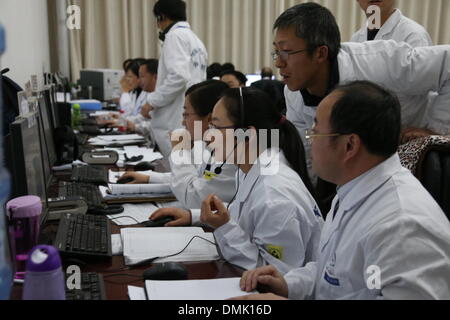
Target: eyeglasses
186	115
284	55
214	127
311	134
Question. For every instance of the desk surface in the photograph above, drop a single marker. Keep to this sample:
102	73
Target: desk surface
116	283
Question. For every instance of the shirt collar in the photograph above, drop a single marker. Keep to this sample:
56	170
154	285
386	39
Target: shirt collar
390	23
360	188
267	161
312	100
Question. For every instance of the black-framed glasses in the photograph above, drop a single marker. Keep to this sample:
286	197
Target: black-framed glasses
188	114
284	55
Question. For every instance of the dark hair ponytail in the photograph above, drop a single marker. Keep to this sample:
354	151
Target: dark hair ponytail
261	113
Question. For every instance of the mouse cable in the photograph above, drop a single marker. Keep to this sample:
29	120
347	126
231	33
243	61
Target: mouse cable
150	261
137	222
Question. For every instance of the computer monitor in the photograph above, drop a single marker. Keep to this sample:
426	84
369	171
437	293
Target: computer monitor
251	78
28	170
50	99
48	142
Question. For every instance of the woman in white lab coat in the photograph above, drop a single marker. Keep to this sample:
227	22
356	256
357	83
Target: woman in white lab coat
274	218
192	178
133	97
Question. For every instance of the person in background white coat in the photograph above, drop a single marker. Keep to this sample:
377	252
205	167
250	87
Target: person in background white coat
183	63
274	218
190	182
385	237
148	75
394	26
133	97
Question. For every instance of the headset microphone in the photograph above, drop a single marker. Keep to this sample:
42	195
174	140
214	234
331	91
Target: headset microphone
219	170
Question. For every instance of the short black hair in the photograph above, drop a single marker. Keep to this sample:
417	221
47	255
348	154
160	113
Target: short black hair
228	66
266	73
370	111
214	70
151	65
239	75
315	24
205	95
173	9
134	66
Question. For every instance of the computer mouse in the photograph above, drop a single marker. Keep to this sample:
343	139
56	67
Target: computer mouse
166	271
157	223
144	166
125	181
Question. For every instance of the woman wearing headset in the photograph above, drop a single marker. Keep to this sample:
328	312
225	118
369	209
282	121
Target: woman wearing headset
273	218
191	182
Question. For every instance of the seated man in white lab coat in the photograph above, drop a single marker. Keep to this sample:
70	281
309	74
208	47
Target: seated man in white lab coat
385	237
394	26
183	63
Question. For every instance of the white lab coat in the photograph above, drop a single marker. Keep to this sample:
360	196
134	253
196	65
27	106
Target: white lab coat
188	182
271	212
385	219
183	63
398	28
411	73
131	103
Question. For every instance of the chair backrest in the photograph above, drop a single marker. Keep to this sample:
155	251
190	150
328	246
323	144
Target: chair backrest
435	177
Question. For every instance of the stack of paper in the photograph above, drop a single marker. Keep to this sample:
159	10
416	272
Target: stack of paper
147	243
216	289
136	192
126	139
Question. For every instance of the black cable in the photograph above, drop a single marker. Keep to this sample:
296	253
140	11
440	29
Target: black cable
137	222
122	275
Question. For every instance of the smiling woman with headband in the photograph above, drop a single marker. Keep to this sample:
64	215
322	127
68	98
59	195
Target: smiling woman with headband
273	218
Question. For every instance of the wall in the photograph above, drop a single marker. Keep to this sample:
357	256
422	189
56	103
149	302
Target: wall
27	38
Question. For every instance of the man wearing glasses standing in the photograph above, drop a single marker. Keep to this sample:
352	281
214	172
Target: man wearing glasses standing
312	62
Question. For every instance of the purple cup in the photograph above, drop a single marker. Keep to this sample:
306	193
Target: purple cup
24	216
44	279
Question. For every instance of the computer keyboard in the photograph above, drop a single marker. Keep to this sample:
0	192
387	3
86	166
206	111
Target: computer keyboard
90	174
92	288
88	192
84	236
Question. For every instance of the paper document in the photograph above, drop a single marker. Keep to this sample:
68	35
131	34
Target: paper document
140	212
216	289
119	189
136	293
140	244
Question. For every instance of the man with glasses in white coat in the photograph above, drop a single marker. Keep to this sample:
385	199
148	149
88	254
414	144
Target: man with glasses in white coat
385	237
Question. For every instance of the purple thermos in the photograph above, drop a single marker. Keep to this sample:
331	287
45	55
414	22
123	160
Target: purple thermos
44	279
24	220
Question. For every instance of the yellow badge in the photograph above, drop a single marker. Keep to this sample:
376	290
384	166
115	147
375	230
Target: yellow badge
209	176
275	251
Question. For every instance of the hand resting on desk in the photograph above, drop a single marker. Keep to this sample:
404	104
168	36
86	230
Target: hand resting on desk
134	178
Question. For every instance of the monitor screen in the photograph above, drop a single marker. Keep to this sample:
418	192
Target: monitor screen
27	156
48	142
251	78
